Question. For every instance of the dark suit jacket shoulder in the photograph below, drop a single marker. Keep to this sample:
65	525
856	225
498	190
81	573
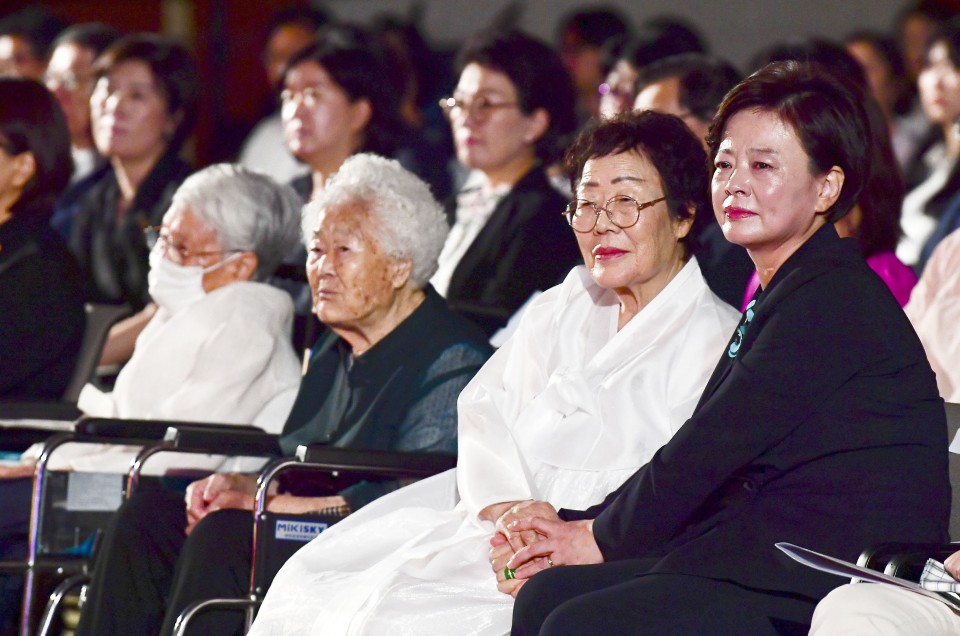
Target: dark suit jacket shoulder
525	246
821	426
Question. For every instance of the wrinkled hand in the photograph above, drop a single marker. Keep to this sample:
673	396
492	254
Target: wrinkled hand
523	511
564	543
19	471
220	491
952	565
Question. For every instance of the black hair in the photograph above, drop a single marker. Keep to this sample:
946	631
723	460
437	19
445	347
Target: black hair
36	26
825	113
829	55
595	26
666	142
310	18
538	76
173	71
95	36
353	60
31	121
704	80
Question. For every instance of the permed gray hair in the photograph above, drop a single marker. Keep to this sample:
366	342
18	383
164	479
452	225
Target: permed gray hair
247	210
407	222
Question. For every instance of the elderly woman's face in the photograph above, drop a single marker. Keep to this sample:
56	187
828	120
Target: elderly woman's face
490	131
647	252
353	281
764	195
318	116
185	239
939	86
129	113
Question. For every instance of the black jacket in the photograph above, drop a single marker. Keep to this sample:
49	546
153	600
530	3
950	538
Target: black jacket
41	309
821	426
113	252
525	246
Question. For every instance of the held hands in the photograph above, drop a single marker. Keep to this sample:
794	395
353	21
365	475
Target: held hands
220	491
952	565
563	543
522	511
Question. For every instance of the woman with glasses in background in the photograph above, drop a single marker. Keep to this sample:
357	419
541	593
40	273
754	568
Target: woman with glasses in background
601	372
511	112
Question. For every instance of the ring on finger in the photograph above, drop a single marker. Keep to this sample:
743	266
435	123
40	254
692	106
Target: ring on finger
509	573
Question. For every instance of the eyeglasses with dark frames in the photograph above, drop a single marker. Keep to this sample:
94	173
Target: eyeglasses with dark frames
623	211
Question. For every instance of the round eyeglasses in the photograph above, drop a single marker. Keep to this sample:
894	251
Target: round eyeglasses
480	108
158	238
623	211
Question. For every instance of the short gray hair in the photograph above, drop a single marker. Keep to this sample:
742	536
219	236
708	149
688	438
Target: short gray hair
249	211
408	223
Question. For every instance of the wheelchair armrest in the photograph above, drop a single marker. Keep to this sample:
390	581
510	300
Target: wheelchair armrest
222	440
376	462
880	556
910	563
34	410
108	427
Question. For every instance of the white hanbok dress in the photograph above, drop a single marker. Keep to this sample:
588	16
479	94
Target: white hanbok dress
564	412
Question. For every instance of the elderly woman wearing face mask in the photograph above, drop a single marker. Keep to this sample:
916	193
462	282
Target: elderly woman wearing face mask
218	348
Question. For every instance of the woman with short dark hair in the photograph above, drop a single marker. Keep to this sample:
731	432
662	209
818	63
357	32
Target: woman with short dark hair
41	321
143	108
511	114
823	387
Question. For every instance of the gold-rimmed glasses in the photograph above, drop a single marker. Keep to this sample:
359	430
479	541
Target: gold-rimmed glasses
623	211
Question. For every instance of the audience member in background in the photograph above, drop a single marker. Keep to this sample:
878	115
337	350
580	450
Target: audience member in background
510	113
25	38
582	36
939	87
290	31
70	78
934	310
882	65
657	39
41	303
425	146
824	385
387	376
915	27
602	371
142	109
691	87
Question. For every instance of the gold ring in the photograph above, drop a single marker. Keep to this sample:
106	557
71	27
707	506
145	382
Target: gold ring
550	562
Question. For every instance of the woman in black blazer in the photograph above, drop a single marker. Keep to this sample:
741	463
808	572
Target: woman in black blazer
821	425
511	113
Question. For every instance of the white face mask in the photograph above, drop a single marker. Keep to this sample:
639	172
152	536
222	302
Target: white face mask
175	287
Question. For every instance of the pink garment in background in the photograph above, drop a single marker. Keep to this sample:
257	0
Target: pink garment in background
898	277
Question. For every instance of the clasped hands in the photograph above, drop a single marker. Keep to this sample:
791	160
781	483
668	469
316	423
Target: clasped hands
531	537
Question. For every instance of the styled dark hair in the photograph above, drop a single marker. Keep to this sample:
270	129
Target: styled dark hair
949	34
95	36
173	70
310	18
538	76
666	142
888	50
826	115
31	121
881	199
36	26
351	58
704	80
660	38
595	26
829	55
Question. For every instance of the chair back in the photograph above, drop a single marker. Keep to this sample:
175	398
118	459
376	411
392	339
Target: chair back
100	317
953	426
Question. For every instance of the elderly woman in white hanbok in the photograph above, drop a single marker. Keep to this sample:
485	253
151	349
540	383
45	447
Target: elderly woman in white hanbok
602	371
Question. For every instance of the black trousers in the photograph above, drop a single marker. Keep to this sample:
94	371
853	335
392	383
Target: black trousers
147	571
15	496
619	598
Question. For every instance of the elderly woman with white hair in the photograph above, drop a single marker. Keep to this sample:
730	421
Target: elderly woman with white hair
386	376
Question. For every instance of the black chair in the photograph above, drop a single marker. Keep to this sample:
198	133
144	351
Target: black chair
100	317
45	551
